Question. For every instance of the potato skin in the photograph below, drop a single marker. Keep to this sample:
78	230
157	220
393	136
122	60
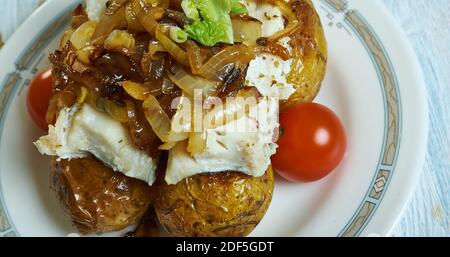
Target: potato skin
97	199
310	54
223	204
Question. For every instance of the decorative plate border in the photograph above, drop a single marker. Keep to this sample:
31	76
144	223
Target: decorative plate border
340	15
8	88
356	23
13	84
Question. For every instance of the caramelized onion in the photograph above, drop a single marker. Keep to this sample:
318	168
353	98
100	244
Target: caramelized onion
132	21
194	56
147	17
155	47
82	95
119	113
65	38
189	83
83	34
107	24
160	122
167	146
157	3
141	91
60	99
236	54
246	30
114	6
140	131
175	5
174	50
136	90
179	17
120	41
118	67
79	16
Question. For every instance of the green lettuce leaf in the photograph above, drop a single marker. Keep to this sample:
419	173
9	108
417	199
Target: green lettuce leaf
190	9
237	7
214	24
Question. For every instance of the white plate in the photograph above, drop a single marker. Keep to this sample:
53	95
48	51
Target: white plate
373	83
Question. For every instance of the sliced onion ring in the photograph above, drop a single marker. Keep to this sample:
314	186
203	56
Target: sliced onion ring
148	17
160	122
194	56
116	112
239	54
155	47
189	83
107	24
114	6
136	90
174	50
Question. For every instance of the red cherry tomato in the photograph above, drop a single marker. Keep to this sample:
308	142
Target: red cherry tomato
38	97
312	143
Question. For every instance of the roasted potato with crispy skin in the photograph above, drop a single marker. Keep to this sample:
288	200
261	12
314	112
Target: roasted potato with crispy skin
310	54
232	204
222	204
96	198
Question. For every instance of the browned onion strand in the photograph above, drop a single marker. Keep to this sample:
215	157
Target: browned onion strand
65	38
189	83
160	121
236	54
194	55
175	5
107	24
131	18
141	91
60	99
79	16
246	30
158	3
102	104
136	90
155	47
179	17
148	17
140	130
114	6
174	50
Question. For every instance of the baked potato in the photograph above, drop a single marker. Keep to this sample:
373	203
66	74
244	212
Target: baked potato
222	204
96	198
232	204
310	54
147	227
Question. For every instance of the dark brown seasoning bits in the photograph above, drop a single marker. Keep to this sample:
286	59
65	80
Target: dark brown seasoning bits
263	41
